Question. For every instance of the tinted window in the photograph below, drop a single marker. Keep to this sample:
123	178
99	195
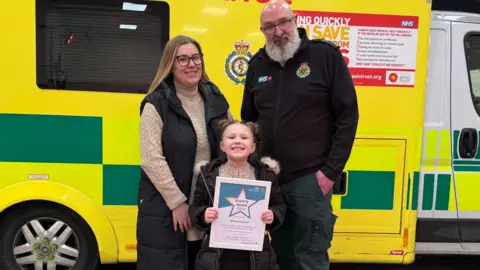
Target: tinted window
472	53
472	6
99	45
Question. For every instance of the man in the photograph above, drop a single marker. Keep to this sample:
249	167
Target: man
301	94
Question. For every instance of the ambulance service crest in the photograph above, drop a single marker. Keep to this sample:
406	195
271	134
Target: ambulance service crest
236	64
303	70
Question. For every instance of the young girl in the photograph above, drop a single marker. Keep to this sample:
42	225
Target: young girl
237	142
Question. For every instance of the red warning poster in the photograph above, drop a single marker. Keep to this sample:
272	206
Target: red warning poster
380	50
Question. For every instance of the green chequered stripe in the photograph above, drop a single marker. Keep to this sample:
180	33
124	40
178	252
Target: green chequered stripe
373	190
442	194
66	139
51	139
456	133
428	186
416	184
413	190
466	168
443	181
120	184
409	183
78	140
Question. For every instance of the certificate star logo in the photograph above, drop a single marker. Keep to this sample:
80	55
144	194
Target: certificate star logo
240	204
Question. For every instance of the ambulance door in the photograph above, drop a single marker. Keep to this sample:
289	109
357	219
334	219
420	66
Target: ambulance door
465	123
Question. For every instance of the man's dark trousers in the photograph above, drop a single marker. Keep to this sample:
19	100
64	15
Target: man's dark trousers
302	242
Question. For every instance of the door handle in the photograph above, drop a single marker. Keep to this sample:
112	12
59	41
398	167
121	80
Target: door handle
340	185
468	143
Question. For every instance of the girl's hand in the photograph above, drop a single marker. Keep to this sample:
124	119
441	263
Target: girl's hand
211	214
267	217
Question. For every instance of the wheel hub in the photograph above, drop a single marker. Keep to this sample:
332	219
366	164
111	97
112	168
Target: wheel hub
44	249
45	244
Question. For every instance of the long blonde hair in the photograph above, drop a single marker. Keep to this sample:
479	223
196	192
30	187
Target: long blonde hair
168	56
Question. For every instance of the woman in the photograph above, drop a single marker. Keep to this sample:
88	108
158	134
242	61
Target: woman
178	129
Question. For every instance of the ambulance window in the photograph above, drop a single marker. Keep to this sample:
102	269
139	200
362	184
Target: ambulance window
472	53
99	45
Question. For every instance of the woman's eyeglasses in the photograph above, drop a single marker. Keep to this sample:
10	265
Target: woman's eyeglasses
184	60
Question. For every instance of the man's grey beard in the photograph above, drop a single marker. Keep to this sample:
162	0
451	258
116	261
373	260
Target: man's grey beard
281	53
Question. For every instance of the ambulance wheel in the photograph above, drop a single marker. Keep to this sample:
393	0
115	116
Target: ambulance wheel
46	238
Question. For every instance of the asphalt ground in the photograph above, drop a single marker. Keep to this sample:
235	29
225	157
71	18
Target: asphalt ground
421	263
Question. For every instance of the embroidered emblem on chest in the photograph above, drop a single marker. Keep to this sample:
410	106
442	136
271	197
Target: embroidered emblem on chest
303	70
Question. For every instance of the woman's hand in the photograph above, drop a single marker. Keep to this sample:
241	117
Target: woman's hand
181	217
211	214
267	217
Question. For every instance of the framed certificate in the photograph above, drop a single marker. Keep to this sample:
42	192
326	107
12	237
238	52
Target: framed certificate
240	204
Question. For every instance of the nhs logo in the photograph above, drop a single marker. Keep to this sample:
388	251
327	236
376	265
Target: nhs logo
408	23
264	79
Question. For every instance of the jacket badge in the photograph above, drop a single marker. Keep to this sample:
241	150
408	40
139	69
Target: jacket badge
303	70
263	79
236	64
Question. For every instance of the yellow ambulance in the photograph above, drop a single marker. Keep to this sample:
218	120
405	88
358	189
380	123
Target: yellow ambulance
73	73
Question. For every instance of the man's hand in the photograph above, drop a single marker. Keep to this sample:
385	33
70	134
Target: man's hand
181	218
211	214
324	183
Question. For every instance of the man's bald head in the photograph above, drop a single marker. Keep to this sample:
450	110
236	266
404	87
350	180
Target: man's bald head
275	7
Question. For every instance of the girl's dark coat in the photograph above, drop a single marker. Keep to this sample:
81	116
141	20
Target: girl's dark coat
209	258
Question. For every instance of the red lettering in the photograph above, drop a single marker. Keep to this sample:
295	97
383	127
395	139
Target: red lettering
259	1
344	53
265	1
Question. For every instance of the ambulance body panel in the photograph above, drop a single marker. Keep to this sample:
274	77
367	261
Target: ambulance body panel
73	77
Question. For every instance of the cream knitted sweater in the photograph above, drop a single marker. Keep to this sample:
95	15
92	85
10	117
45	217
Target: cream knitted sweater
153	161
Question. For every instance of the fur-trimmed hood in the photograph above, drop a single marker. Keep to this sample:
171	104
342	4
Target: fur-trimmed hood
271	163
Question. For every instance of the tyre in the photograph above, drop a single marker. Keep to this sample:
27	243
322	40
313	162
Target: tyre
53	238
